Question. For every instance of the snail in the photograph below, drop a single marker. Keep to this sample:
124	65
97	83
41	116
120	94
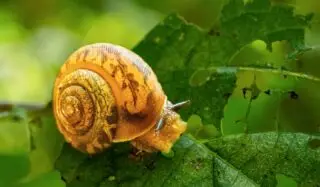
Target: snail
105	94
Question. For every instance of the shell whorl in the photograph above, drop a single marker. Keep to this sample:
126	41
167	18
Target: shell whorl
84	106
105	93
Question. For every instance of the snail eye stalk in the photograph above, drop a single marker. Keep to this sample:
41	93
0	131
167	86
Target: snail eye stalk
178	106
174	107
159	124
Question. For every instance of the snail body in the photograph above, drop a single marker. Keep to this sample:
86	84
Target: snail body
105	94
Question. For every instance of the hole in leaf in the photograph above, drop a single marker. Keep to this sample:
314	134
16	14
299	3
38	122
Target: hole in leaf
151	165
63	179
293	95
268	92
244	92
227	95
213	32
314	143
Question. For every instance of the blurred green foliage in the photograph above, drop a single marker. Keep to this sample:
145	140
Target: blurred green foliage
30	145
37	36
248	97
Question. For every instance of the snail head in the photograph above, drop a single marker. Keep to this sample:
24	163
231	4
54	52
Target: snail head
167	130
174	107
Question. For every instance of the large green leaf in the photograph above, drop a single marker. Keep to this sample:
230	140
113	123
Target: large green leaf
243	160
190	62
197	65
263	155
273	101
206	68
192	165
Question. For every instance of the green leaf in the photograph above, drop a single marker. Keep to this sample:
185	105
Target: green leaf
192	165
259	20
243	160
282	103
207	132
188	61
30	144
203	66
13	167
11	127
51	179
199	77
14	159
263	155
169	49
47	143
194	124
283	181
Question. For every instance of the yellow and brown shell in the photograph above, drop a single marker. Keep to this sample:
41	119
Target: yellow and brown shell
105	93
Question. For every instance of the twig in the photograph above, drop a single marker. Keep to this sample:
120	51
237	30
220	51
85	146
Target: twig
9	106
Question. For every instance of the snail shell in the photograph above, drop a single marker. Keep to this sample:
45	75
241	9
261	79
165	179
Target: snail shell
105	93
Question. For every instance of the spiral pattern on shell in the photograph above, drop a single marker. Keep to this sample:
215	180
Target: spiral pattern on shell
84	102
